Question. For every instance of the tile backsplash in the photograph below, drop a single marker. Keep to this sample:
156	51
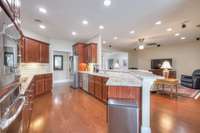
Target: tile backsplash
34	68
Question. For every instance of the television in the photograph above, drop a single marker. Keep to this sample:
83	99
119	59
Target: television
157	63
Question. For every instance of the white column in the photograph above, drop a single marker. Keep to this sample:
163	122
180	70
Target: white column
99	51
146	100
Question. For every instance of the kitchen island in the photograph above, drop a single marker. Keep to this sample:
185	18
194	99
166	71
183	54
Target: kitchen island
130	84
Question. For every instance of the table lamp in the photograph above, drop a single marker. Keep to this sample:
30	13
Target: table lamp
166	66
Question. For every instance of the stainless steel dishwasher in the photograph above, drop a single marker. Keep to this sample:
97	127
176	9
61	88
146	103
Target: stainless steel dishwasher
85	81
123	116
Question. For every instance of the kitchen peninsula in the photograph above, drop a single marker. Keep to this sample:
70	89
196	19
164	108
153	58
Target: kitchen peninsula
130	84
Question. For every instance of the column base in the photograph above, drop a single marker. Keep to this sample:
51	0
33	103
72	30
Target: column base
145	129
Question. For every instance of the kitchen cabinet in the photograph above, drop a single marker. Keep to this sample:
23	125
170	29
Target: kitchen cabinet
34	51
43	84
44	52
91	88
92	53
31	50
87	53
104	90
78	50
98	87
39	85
48	85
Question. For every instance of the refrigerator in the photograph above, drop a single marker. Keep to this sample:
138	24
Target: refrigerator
73	68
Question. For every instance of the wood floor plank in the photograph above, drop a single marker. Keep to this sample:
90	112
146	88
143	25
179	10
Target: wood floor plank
66	110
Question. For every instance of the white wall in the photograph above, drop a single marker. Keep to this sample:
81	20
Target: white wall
185	57
62	75
116	56
36	36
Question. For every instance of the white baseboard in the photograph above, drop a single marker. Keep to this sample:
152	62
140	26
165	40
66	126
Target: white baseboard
62	81
145	129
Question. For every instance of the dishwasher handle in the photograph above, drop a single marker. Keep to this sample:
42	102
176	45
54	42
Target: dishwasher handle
5	123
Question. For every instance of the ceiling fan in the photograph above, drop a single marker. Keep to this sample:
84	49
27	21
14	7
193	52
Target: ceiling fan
142	45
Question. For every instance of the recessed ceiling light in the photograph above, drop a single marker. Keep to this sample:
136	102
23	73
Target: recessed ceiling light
42	10
101	27
17	3
42	26
74	33
107	3
177	34
115	38
158	22
183	38
141	47
104	42
132	32
169	29
85	22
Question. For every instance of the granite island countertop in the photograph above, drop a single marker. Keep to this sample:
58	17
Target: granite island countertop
130	78
25	81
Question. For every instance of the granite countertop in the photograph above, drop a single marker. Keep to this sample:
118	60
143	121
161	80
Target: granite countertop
118	78
25	81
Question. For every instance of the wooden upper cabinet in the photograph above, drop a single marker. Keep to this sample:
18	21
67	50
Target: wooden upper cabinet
79	50
44	52
31	51
92	53
34	51
87	53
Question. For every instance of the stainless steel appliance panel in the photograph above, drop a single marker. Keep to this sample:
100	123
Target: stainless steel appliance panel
122	116
9	49
74	67
85	81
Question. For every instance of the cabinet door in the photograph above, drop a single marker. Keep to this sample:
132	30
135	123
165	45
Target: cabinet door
81	81
39	85
98	87
105	90
91	85
48	83
79	50
31	50
86	59
44	53
94	53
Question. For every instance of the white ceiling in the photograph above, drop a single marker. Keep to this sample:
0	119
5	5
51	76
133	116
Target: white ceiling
65	16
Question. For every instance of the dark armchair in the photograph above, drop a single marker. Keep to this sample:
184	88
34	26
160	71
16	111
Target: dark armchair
191	81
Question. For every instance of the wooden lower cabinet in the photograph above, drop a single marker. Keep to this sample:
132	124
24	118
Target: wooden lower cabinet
98	88
43	84
105	90
91	88
48	86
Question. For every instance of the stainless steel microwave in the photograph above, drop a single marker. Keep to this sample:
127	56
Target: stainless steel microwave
9	48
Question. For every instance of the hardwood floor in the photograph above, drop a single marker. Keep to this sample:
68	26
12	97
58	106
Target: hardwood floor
174	116
68	111
73	111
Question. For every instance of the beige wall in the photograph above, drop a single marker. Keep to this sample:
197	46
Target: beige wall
186	57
